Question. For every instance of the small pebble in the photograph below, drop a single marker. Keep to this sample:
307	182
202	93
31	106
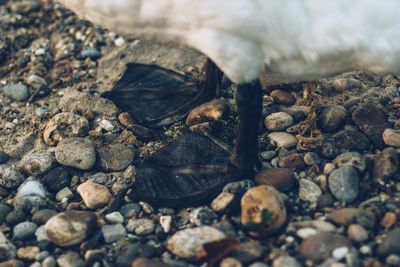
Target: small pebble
76	152
344	184
283	139
357	233
17	92
24	231
391	137
114	232
94	195
309	191
141	226
278	121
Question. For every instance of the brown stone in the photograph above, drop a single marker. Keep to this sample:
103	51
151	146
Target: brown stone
12	263
385	164
294	161
27	253
94	195
125	119
214	110
283	98
280	178
345	216
388	220
115	157
144	262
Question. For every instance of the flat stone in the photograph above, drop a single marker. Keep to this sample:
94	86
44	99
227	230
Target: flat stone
283	139
391	137
76	152
115	157
70	228
12	263
126	255
278	121
280	178
319	247
352	159
371	121
141	226
349	140
344	184
283	97
115	217
94	195
386	164
63	194
223	202
214	110
331	117
112	233
16	216
37	162
188	243
262	211
311	158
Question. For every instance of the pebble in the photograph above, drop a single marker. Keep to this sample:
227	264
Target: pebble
57	179
42	216
249	251
344	216
223	202
311	158
278	121
294	161
76	152
283	98
319	247
285	261
37	162
114	232
128	253
130	210
357	233
115	217
7	249
64	194
30	203
391	137
340	253
126	119
352	159
94	195
230	262
28	253
309	191
141	226
16	216
258	264
99	178
4	157
70	259
12	263
115	157
344	184
214	110
393	260
107	125
188	243
331	117
10	176
386	164
41	234
238	188
283	139
91	53
4	211
390	244
70	227
24	231
388	220
49	262
17	92
306	232
372	122
350	139
166	223
203	216
262	211
36	81
65	125
280	178
341	85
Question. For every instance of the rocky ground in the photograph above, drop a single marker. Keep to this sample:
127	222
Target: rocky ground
328	194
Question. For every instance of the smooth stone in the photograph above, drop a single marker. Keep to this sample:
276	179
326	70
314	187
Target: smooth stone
390	245
349	140
126	119
64	194
7	249
57	178
12	263
115	157
126	254
371	121
203	216
262	211
144	262
10	176
278	121
344	216
17	92
130	210
388	220
340	253
268	155
391	137
214	110
309	191
99	178
91	53
311	158
285	261
42	216
188	243
71	259
70	228
306	232
319	247
114	217
223	202
114	232
141	226
28	253
283	139
341	85
357	233
94	195
249	251
41	234
4	211
36	81
386	164
166	223
293	161
16	216
352	159
24	231
4	157
238	188
37	162
331	117
283	97
49	262
76	152
230	262
328	168
280	178
344	184
30	203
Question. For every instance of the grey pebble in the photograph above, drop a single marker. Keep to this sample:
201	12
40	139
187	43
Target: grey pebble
344	184
238	188
18	92
24	231
91	53
114	232
76	152
4	157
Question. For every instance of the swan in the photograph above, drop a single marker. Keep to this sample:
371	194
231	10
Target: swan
273	41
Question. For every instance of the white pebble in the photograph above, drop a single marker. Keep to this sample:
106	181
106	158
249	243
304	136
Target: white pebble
340	253
166	222
306	232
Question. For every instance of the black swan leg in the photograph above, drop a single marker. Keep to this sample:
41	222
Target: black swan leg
249	108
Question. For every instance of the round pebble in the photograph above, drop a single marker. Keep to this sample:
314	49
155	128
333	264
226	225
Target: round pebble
278	121
76	152
344	184
24	231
